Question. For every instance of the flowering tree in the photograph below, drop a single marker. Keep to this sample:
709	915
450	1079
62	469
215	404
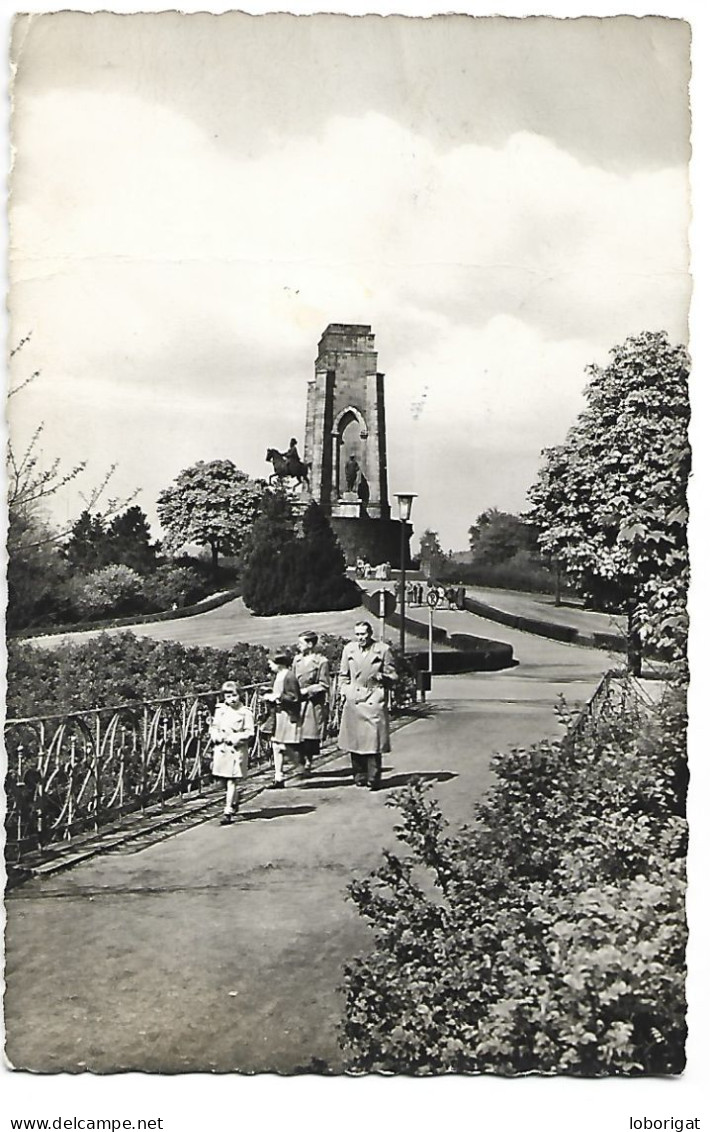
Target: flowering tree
610	503
211	504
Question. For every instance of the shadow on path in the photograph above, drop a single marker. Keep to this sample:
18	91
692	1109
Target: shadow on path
420	776
274	812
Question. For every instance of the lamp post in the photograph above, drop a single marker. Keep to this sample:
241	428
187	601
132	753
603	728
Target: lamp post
404	501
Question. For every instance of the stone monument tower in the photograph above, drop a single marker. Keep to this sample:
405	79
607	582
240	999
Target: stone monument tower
346	445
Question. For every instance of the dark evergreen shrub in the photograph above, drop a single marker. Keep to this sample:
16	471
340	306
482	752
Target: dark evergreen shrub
291	570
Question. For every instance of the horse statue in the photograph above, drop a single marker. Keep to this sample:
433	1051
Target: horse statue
285	468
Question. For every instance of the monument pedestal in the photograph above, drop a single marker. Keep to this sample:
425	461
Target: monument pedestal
374	540
348	506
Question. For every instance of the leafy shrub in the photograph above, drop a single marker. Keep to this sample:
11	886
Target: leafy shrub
120	668
113	589
36	576
172	585
547	938
522	572
123	668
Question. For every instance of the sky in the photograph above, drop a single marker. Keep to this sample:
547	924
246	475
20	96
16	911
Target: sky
195	198
190	211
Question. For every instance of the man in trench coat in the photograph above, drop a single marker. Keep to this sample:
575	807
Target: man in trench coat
367	673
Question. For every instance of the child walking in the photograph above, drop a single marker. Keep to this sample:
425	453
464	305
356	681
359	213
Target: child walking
231	731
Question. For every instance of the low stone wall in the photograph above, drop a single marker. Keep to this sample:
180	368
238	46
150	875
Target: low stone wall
606	641
468	653
203	606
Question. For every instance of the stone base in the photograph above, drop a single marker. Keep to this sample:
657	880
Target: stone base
373	540
344	510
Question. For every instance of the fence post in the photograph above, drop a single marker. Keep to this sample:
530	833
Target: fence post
97	772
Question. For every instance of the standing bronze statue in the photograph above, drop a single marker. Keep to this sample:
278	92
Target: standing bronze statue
352	469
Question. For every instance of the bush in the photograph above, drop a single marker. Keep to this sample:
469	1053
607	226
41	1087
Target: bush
123	668
36	577
292	571
114	589
120	668
171	585
549	937
519	573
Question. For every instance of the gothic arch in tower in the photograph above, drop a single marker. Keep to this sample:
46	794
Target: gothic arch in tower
350	435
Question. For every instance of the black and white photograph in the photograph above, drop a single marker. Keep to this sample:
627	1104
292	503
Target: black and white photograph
351	487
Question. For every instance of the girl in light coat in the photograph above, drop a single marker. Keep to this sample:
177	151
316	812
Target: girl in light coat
231	732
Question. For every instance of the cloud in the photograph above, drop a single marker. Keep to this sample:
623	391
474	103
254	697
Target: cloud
177	293
613	92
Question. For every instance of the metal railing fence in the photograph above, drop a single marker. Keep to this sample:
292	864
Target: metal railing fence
72	773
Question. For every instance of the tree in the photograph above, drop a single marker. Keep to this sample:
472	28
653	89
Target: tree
269	558
610	502
497	536
36	570
321	567
212	504
36	575
86	549
128	541
431	554
291	568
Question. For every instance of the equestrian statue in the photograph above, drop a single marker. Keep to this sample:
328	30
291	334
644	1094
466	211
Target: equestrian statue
288	465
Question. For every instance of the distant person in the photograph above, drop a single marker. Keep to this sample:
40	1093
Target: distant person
285	696
311	671
292	458
231	732
366	674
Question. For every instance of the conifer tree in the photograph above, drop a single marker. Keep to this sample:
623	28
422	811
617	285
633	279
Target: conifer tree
295	567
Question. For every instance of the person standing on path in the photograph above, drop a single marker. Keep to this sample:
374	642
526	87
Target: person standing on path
311	671
285	697
366	674
231	731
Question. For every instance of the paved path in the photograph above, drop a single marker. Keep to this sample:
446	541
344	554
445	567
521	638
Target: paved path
225	626
222	948
542	606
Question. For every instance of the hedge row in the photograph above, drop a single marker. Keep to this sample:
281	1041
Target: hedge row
203	606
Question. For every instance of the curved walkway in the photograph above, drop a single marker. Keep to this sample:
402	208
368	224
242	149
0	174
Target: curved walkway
542	607
224	627
221	949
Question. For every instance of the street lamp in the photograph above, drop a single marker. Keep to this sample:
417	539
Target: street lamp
404	501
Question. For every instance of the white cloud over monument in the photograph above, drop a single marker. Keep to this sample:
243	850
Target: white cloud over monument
176	287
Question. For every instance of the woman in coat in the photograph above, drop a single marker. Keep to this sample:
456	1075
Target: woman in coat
366	673
286	699
231	732
311	670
